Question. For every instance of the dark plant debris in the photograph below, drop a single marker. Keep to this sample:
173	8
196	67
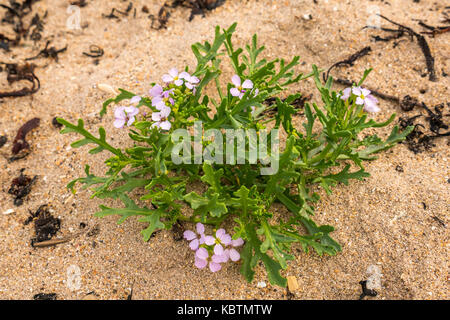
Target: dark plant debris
55	123
439	221
177	231
418	140
94	51
123	13
47	52
79	3
45	225
15	12
198	7
18	73
402	30
365	291
349	61
434	30
21	187
20	144
3	140
45	296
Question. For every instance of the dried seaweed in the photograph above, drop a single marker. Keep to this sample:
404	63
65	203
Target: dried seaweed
349	61
94	51
365	291
429	59
79	3
14	16
45	225
418	140
433	30
20	143
45	296
198	7
3	140
21	187
113	10
19	73
47	52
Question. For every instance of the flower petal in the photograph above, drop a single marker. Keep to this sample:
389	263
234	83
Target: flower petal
189	85
178	82
237	243
200	228
156	91
156	116
365	92
356	91
225	239
235	92
119	113
236	80
194	80
234	255
359	100
214	267
189	235
220	232
167	78
202	253
165	125
200	263
218	249
209	240
194	244
173	72
184	75
248	84
135	99
119	123
130	121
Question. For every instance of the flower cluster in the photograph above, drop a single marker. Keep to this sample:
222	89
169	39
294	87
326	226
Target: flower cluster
212	250
363	97
162	99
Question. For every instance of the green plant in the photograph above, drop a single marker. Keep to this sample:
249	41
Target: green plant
323	154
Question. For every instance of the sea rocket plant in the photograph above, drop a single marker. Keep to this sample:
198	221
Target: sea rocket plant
327	149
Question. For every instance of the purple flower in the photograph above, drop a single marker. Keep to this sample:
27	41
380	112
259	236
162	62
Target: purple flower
125	115
238	90
173	76
160	97
202	259
190	81
192	236
135	100
160	118
363	97
346	93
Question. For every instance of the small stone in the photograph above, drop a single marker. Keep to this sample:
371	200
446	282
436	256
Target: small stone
307	16
292	283
9	211
261	284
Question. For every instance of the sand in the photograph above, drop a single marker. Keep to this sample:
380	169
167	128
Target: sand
380	221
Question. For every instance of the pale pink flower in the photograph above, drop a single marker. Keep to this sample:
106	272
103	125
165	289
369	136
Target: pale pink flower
173	77
239	90
125	115
363	97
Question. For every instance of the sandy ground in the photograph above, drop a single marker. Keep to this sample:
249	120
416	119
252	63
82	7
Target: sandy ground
380	221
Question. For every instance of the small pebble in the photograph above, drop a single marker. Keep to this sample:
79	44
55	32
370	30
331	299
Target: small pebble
9	211
261	284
